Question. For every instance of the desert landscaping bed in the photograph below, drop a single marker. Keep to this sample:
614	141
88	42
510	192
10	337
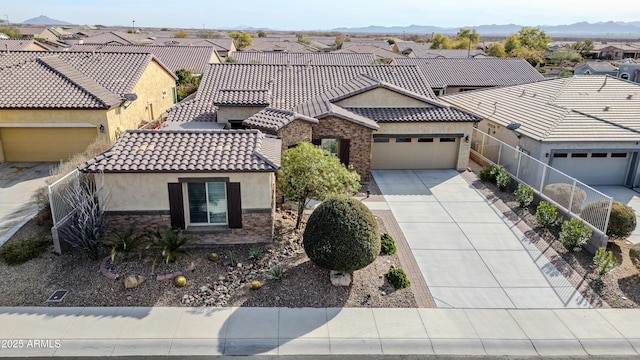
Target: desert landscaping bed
620	288
208	284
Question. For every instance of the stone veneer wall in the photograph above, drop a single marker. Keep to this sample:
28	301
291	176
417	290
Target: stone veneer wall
360	136
295	132
257	226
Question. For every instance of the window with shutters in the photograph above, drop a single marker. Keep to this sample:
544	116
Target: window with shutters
207	203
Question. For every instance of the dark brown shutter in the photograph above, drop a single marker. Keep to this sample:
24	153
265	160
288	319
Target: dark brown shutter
234	205
345	144
176	206
317	142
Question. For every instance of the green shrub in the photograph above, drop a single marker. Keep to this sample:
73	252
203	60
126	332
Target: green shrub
342	235
547	215
574	234
561	193
634	254
604	261
397	278
541	70
387	245
125	244
494	172
622	220
485	173
171	243
21	251
503	179
524	195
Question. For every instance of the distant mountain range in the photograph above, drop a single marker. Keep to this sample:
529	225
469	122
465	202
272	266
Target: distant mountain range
604	29
43	20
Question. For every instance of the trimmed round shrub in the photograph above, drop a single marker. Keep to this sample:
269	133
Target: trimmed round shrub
561	193
387	245
397	278
342	235
622	220
634	254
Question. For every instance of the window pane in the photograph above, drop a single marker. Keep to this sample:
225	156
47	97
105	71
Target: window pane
217	203
197	202
331	145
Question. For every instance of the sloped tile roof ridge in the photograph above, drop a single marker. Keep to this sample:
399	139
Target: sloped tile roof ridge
624	127
343	113
268	150
88	85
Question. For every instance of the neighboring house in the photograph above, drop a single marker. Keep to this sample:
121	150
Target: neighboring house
629	70
272	44
117	38
224	47
306	58
54	104
216	185
370	116
616	51
19	45
585	126
195	58
382	44
382	56
595	68
447	54
450	76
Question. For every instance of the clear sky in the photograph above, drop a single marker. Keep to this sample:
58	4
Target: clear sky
324	14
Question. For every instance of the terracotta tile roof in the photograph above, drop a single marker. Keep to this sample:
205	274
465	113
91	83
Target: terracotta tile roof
192	114
275	119
292	85
446	53
18	44
189	151
603	66
195	58
308	58
441	73
269	44
239	97
578	108
117	37
378	52
382	44
433	114
118	72
218	44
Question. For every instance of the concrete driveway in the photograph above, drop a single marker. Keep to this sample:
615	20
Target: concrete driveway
629	197
469	254
18	184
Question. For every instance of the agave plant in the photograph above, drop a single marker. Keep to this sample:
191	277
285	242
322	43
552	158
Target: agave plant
171	243
126	243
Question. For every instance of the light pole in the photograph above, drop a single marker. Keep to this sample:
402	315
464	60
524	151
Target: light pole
133	26
470	40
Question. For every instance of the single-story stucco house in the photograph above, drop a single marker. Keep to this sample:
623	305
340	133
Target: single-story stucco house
218	185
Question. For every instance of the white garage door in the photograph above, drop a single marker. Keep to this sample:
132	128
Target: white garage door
594	168
415	153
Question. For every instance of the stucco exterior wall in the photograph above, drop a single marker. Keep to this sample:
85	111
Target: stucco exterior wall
154	98
380	98
149	192
459	129
226	113
360	142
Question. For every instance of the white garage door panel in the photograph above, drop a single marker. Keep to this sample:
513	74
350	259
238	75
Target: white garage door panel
595	170
437	154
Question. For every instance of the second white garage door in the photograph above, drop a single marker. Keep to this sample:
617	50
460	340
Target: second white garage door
415	153
601	168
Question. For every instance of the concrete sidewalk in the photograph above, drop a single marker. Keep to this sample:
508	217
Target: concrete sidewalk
469	253
142	331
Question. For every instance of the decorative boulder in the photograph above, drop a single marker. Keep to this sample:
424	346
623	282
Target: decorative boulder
133	281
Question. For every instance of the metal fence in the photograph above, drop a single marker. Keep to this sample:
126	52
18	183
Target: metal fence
565	191
59	207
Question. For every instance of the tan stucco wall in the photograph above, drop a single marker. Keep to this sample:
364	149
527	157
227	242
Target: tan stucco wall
442	128
226	113
381	98
149	192
154	93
